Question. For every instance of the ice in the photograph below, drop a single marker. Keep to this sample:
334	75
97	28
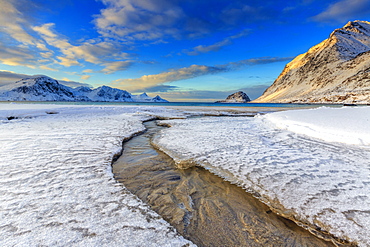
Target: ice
319	182
349	125
57	187
56	184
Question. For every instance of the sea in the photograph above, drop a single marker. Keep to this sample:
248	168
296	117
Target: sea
198	104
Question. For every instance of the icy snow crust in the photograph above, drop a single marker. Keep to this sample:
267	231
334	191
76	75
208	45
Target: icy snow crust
56	184
349	125
321	184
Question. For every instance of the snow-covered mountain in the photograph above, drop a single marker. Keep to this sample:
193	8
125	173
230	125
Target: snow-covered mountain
105	94
37	89
43	88
337	70
238	97
145	98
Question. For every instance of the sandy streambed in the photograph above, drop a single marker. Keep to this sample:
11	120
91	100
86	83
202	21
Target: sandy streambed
201	206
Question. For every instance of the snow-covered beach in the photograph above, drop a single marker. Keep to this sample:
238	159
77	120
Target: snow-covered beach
310	165
57	188
56	184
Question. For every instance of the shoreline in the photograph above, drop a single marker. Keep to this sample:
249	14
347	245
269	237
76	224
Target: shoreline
130	114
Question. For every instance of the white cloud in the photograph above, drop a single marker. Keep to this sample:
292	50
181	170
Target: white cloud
88	71
47	68
16	56
138	19
112	67
14	24
150	81
18	46
85	77
100	53
344	10
218	45
67	62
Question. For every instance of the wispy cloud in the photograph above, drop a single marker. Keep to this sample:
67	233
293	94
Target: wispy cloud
150	81
218	45
17	56
102	53
138	20
15	24
22	44
344	10
85	77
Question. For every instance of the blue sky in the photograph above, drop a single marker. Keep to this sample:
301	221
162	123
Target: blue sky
183	50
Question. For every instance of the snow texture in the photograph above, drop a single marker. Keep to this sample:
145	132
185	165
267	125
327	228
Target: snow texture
349	125
321	184
56	184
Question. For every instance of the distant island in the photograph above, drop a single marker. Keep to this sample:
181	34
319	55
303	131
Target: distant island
238	97
44	88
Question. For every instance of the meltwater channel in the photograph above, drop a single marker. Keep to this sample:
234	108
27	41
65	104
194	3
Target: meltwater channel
201	206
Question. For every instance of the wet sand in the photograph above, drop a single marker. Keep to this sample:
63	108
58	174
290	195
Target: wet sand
201	206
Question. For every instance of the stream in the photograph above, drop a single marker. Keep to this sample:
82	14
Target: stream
202	207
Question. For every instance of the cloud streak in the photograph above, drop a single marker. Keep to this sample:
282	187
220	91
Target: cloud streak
216	46
106	54
140	20
152	81
344	10
22	44
149	81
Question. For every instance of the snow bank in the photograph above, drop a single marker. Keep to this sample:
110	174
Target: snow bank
56	184
349	125
321	184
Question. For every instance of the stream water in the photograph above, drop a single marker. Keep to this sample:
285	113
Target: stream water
201	206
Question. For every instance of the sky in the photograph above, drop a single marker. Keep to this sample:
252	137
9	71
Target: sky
183	50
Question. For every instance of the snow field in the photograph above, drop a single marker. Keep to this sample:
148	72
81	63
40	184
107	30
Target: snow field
56	184
349	125
319	183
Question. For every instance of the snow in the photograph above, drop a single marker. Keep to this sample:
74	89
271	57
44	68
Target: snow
349	125
56	184
334	71
57	187
44	88
310	165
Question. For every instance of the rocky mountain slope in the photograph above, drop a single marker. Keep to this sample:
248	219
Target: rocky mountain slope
238	97
335	71
43	88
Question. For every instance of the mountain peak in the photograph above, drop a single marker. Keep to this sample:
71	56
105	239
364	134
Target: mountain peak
44	88
335	70
37	79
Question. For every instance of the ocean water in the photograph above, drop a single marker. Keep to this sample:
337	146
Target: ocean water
204	104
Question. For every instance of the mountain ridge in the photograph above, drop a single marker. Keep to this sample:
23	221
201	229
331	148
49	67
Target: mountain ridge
337	70
44	88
